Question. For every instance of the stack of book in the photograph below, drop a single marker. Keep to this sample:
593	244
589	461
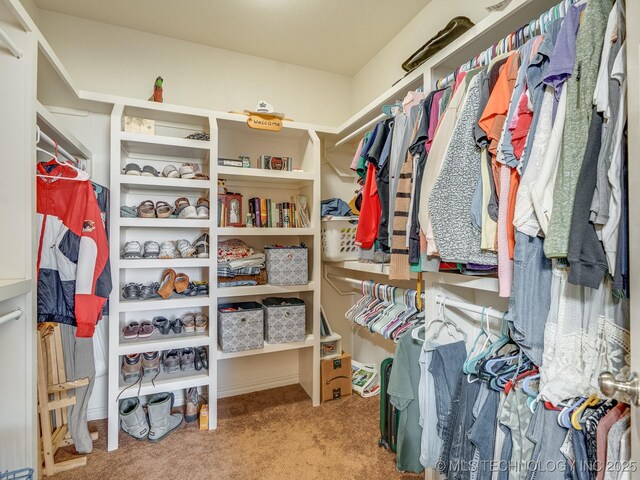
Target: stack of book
267	214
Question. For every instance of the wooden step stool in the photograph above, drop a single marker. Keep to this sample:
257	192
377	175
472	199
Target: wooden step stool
55	395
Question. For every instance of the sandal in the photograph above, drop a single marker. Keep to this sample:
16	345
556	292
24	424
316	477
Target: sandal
151	249
189	322
148	292
201	322
146	209
163	209
181	282
132	250
202	246
202	208
201	176
167	283
181	203
168	250
202	288
146	329
162	324
186	171
131	330
132	169
131	291
149	171
170	171
185	248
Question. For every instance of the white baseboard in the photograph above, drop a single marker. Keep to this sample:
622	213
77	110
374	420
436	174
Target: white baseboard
240	389
99	413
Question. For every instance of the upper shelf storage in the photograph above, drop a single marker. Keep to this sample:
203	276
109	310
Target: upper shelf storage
166	146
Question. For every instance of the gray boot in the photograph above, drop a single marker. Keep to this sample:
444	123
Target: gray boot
160	418
133	419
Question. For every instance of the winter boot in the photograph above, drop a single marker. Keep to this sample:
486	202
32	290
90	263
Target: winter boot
191	409
160	418
133	419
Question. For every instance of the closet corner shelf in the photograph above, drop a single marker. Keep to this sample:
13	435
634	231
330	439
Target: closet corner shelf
164	263
12	287
162	183
173	302
258	232
264	176
229	292
165	222
140	143
166	382
309	341
159	342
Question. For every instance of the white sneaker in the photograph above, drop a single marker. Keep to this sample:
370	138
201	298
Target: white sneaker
189	212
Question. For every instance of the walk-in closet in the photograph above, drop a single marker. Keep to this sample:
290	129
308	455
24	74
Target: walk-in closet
319	239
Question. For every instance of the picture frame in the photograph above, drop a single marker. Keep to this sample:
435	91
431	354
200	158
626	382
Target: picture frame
234	216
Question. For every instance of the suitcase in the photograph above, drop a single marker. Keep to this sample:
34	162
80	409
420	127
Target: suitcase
389	415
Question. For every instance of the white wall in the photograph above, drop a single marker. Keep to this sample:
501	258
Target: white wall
120	61
385	68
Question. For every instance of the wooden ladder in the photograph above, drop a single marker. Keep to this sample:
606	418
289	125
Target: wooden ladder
54	398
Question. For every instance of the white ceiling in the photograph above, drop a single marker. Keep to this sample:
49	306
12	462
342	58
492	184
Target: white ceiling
338	36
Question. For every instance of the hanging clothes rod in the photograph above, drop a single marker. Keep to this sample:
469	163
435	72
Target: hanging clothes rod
16	314
13	48
357	284
49	141
511	41
469	307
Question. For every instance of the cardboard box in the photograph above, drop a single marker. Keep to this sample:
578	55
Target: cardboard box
139	125
335	376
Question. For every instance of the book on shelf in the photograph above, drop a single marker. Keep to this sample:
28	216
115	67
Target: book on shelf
266	213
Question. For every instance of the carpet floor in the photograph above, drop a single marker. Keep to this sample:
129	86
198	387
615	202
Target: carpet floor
274	434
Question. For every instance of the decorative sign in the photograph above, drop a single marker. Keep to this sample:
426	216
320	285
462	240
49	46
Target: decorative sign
264	122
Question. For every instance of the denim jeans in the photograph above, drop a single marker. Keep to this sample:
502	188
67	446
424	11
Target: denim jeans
505	457
548	461
483	431
530	295
446	369
581	471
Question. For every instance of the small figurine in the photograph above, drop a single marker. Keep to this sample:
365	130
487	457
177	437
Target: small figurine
157	91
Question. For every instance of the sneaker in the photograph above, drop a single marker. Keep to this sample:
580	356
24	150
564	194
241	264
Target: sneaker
132	250
189	322
201	360
151	363
131	368
171	361
192	404
201	322
187	359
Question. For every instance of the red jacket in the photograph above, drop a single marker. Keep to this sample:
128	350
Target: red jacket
370	211
73	279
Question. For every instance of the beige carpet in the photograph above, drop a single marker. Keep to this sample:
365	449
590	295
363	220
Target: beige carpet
274	434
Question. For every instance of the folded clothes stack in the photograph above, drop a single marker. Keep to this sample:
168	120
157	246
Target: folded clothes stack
239	265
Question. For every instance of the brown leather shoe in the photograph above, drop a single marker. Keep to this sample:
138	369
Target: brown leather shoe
167	284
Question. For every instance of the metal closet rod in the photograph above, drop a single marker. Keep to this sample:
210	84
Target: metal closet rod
358	283
16	314
13	48
49	141
469	307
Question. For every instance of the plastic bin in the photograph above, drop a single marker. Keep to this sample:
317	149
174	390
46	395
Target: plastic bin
339	239
22	474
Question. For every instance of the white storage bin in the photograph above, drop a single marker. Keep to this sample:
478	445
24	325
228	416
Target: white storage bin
339	239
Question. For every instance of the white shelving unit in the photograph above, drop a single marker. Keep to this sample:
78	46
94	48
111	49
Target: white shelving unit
229	137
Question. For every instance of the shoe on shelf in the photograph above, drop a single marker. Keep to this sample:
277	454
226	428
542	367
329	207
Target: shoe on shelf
131	330
170	171
163	209
201	322
187	359
186	171
162	324
201	246
131	291
131	368
189	212
149	292
132	169
147	209
171	361
167	283
201	360
146	329
181	282
176	326
151	249
151	364
132	250
185	248
202	208
133	420
168	250
161	421
189	322
192	404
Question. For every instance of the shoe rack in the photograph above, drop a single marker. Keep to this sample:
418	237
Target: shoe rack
229	137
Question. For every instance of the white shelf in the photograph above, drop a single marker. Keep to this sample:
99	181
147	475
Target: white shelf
13	287
309	341
487	283
161	304
164	263
140	143
165	222
259	232
257	175
165	382
158	342
229	292
144	182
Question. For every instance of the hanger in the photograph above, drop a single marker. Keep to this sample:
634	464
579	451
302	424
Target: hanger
81	175
470	364
575	417
444	321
